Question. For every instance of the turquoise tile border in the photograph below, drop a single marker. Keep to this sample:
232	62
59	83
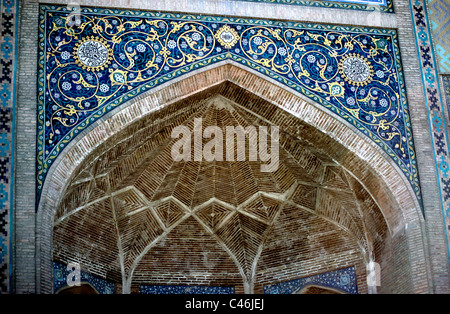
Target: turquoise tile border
8	64
439	17
343	280
380	5
184	289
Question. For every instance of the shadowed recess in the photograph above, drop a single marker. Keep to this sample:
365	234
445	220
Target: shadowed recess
133	211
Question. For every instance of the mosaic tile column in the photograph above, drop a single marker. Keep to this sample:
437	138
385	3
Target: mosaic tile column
446	81
8	38
429	73
61	273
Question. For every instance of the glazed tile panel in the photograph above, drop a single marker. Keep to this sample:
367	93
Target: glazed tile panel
180	289
435	107
110	56
343	280
372	5
446	81
8	38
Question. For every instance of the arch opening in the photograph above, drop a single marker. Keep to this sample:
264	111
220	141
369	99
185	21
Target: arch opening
322	175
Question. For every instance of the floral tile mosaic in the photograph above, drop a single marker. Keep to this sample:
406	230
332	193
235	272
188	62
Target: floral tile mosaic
95	60
61	273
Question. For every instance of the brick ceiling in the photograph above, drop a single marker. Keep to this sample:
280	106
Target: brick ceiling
132	209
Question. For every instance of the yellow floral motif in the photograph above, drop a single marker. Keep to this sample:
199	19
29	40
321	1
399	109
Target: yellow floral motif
336	89
227	36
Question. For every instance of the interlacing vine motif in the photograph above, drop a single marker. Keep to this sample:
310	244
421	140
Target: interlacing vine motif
112	56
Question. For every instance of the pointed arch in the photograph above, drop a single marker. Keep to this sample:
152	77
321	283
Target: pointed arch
362	159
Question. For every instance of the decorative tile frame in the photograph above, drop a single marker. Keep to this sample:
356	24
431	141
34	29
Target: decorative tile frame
342	280
8	58
180	289
380	5
432	91
60	275
308	58
438	13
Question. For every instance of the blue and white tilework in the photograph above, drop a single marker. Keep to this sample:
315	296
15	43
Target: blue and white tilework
434	103
175	289
438	13
60	275
380	5
446	81
8	39
343	280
